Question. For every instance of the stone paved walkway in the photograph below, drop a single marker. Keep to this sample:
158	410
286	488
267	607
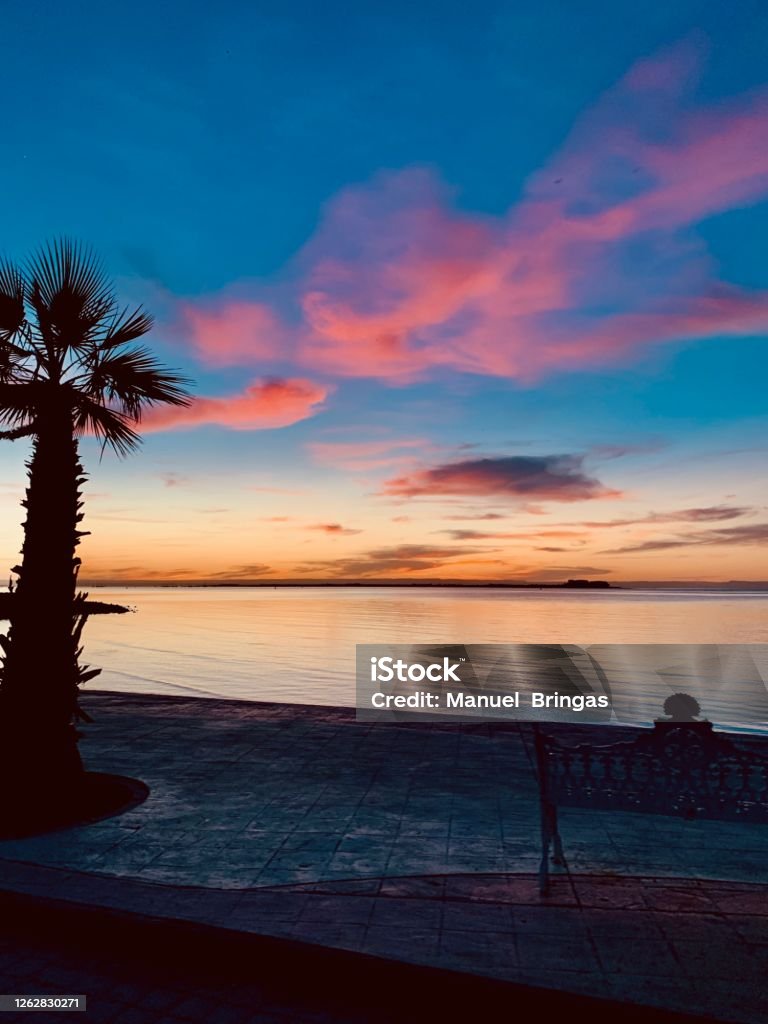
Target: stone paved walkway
683	945
412	843
138	970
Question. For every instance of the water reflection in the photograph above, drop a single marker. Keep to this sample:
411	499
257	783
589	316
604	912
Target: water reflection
298	645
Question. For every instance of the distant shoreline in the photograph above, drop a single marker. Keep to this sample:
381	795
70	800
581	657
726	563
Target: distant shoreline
752	586
337	584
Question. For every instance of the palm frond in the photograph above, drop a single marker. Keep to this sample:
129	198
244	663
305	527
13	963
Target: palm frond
126	327
134	379
21	402
69	292
110	426
17	432
12	313
11	360
64	344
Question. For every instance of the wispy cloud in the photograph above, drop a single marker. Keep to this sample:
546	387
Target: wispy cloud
230	332
403	559
249	571
477	516
558	573
139	572
705	514
728	536
363	456
334	529
174	479
519	535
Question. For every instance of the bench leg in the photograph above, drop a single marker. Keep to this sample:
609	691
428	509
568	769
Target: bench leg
544	871
559	856
546	839
550	834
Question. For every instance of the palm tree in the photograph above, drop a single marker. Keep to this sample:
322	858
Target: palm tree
68	367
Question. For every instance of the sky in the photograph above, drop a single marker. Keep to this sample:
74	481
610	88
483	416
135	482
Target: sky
465	291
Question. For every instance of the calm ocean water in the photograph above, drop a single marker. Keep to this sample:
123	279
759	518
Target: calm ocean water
298	644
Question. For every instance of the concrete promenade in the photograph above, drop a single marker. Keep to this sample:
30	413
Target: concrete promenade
412	843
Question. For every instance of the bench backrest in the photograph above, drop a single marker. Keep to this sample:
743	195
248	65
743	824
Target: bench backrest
677	768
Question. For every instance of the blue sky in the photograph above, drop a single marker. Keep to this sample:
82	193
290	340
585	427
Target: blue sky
355	202
199	140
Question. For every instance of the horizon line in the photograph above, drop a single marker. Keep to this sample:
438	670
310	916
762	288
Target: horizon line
597	584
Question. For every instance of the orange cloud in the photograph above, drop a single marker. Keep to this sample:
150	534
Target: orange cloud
335	529
263	405
243	572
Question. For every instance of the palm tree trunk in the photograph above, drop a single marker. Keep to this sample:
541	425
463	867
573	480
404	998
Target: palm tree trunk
38	696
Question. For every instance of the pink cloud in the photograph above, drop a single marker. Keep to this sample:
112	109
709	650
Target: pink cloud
231	332
398	284
390	259
639	168
361	456
263	405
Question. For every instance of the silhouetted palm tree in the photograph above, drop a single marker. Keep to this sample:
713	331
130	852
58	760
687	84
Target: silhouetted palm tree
68	367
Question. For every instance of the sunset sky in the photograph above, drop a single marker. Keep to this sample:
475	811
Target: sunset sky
465	290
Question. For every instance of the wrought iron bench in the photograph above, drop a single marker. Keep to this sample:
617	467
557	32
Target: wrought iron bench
683	769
